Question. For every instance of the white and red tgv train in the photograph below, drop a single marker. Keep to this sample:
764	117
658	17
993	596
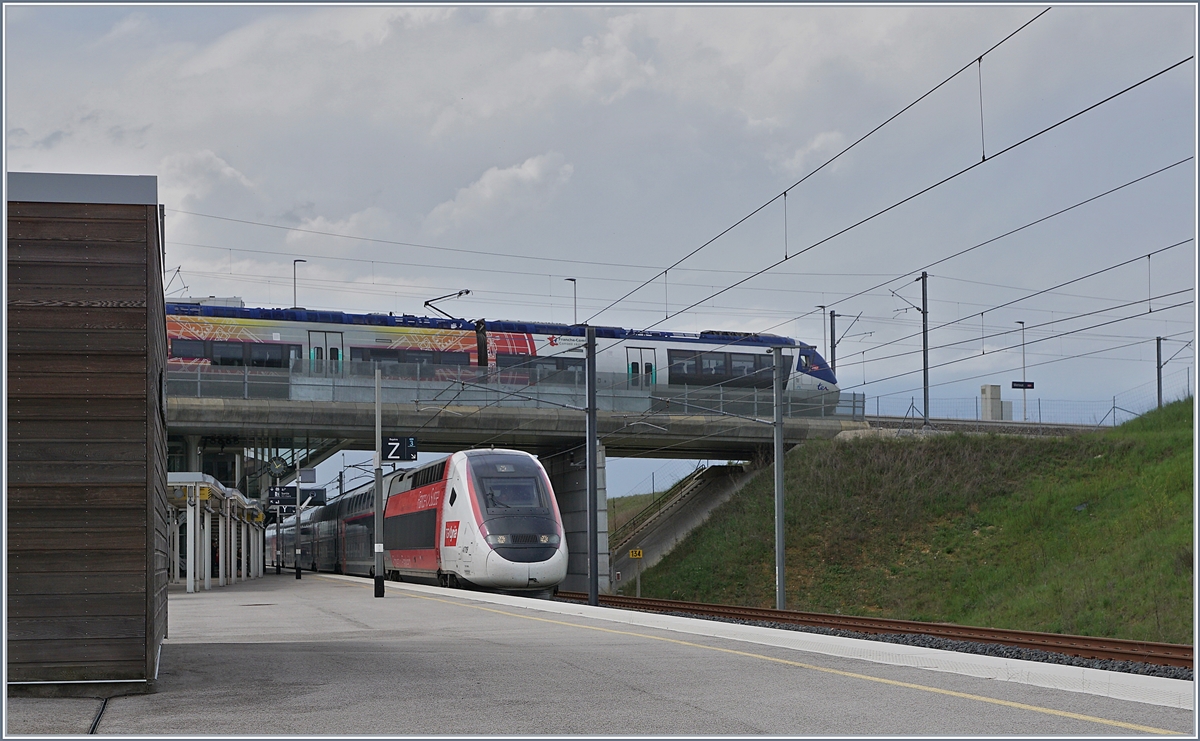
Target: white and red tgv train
483	517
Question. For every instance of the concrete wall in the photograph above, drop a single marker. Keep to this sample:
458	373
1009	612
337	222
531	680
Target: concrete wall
568	476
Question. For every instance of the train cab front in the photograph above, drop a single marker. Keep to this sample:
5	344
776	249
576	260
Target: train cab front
519	522
815	378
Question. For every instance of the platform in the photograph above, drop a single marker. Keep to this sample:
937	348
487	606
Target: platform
323	656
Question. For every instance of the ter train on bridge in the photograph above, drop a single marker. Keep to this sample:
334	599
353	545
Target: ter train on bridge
486	518
521	352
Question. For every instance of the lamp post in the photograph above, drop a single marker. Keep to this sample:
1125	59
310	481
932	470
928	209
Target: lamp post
295	305
1024	391
575	298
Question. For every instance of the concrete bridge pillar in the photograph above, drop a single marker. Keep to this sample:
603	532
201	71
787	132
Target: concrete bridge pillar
191	445
568	476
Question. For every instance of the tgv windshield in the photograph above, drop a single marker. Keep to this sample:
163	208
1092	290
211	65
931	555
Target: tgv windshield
509	484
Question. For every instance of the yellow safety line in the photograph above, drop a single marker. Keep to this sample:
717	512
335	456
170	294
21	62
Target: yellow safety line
814	667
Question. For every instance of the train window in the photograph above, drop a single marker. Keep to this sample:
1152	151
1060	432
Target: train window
804	362
267	356
454	358
510	492
764	361
712	364
187	349
741	365
421	357
505	483
228	353
508	360
572	364
683	362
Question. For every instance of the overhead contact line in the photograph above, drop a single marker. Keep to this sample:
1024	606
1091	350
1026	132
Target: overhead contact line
783	194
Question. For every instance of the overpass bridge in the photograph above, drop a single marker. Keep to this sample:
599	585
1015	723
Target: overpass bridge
228	422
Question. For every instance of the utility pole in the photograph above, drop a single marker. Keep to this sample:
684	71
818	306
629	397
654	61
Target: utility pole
296	453
823	342
1024	391
593	525
925	338
780	378
832	342
378	489
1158	366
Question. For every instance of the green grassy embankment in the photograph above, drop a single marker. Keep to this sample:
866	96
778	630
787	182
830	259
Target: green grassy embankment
1087	535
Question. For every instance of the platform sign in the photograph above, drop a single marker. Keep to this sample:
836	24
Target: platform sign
400	448
283	510
635	553
287	495
1022	384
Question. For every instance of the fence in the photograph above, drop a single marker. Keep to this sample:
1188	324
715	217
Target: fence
1112	411
458	385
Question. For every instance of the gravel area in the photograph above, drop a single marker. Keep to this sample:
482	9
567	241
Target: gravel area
985	649
974	647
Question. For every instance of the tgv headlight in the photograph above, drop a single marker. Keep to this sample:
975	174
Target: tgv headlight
523	539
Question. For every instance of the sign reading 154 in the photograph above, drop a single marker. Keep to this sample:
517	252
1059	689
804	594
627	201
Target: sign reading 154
400	448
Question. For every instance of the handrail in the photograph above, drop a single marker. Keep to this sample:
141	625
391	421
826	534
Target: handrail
685	486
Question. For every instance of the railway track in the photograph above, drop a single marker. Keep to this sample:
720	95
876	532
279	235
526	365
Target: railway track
1166	654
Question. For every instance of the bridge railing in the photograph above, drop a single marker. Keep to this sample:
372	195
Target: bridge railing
470	386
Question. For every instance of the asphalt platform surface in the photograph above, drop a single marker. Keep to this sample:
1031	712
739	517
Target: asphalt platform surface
323	656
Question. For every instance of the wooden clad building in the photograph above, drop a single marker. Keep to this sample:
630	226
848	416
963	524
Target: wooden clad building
86	506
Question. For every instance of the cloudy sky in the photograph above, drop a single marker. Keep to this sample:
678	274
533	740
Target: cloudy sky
409	152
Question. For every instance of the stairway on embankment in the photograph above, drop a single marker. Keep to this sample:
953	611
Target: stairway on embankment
668	520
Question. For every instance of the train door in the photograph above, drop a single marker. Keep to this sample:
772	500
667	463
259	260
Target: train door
325	353
641	366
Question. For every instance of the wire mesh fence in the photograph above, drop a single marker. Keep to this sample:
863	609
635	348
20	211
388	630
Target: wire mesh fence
1119	408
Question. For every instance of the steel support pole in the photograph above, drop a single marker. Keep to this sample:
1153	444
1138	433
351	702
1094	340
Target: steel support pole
378	488
925	339
297	520
1158	368
277	552
191	539
593	525
832	342
780	378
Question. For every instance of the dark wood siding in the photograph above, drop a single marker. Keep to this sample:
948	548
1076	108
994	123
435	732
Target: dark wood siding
87	508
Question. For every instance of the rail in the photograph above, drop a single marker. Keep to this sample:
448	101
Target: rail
1166	654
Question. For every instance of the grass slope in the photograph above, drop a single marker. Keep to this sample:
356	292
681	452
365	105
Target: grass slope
1088	535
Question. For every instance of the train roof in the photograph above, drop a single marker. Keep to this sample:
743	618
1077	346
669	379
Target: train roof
492	325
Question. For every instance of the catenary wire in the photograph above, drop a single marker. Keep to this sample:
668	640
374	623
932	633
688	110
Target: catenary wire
818	169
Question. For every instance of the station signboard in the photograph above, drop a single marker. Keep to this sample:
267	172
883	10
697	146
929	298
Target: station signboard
400	448
287	495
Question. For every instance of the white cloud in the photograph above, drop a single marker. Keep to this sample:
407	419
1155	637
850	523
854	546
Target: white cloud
818	149
501	190
192	176
371	222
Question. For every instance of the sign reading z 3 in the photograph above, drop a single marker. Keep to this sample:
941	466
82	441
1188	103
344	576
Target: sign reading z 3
400	448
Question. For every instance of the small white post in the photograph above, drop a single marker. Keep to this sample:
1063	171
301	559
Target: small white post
245	549
173	546
222	554
206	551
192	501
